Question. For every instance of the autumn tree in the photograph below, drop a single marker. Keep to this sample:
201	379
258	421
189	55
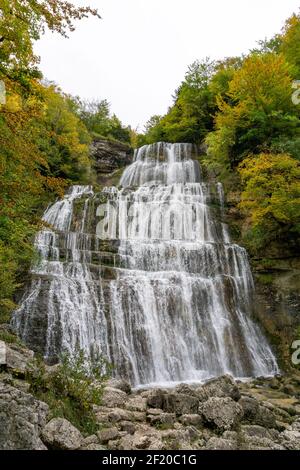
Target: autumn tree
24	21
271	198
258	112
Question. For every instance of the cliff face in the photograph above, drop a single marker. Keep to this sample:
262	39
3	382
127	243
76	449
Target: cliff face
109	158
276	272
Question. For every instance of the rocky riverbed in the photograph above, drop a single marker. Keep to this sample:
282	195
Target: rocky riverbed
220	414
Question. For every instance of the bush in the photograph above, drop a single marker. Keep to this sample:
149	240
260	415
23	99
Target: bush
71	388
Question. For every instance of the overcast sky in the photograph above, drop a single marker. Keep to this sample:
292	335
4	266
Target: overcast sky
138	53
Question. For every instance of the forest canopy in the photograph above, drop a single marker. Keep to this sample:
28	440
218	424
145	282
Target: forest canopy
241	109
44	133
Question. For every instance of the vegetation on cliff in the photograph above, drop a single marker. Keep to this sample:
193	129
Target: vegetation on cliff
44	133
242	107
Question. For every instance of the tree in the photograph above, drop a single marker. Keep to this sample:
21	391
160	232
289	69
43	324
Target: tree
258	111
22	22
271	197
96	116
290	40
43	144
63	138
191	116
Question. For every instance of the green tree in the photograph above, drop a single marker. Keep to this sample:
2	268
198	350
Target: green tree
191	116
22	22
271	198
258	111
97	118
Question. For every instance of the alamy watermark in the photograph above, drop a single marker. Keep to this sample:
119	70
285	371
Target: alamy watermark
296	354
296	94
116	218
2	92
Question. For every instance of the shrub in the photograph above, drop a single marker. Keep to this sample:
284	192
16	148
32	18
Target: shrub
71	388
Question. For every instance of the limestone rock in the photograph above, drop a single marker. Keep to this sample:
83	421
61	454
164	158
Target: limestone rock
109	155
141	442
119	384
21	419
91	443
255	413
136	404
223	386
127	426
222	413
118	414
255	431
108	434
162	418
113	397
155	398
60	434
17	359
191	419
290	439
180	403
260	443
2	353
93	447
218	443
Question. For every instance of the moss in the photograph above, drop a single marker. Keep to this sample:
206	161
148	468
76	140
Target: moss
265	279
163	426
9	337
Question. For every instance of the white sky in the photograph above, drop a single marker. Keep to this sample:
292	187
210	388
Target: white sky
137	55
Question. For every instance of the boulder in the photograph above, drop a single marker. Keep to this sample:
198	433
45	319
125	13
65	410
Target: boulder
254	413
119	384
191	419
162	418
221	413
108	434
113	397
180	404
250	408
155	398
93	447
60	434
186	389
2	353
136	404
156	444
260	443
126	443
218	443
255	431
141	442
21	419
290	439
16	358
223	386
127	426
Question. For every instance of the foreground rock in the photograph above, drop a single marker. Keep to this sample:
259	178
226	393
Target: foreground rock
221	387
22	418
59	434
221	413
218	415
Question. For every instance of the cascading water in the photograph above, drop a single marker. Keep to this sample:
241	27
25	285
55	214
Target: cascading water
147	275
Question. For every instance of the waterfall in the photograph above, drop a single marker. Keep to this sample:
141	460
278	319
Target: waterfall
146	274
